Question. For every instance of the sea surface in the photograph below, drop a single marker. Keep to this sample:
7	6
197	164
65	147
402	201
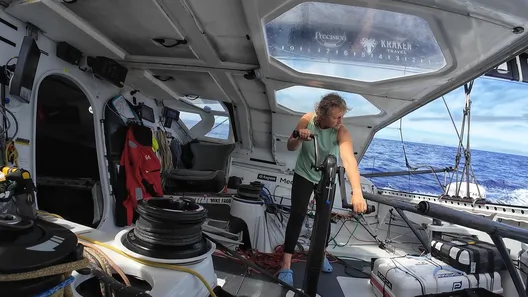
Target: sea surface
504	176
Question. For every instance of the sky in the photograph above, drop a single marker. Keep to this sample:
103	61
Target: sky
499	118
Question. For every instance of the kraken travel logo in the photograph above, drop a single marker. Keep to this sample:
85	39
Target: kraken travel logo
330	40
369	44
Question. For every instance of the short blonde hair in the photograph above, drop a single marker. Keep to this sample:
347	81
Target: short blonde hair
329	101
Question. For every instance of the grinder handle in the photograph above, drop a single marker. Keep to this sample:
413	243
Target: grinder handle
316	166
342	190
295	134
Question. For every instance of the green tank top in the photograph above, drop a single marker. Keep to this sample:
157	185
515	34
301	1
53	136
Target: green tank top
327	144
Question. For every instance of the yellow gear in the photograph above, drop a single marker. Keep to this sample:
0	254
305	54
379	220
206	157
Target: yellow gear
155	145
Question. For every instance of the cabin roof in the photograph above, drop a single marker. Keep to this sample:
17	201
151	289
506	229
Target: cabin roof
274	59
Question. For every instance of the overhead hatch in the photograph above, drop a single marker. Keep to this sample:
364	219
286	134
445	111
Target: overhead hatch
356	43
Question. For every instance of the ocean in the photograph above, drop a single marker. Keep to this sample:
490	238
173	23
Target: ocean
504	176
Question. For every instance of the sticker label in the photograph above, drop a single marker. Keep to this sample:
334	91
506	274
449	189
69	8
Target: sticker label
385	280
205	200
286	181
456	286
450	274
266	177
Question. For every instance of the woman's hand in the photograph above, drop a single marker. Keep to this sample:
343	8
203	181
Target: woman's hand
358	202
304	134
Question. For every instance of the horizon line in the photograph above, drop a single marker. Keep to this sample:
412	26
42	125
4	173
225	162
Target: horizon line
516	153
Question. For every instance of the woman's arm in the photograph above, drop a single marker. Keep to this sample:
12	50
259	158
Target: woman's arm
346	151
293	143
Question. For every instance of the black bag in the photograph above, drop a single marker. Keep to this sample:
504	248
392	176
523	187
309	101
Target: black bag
483	256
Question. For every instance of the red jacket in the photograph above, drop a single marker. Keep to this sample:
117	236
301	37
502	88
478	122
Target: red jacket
142	170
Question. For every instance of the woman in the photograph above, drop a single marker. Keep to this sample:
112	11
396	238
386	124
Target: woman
332	138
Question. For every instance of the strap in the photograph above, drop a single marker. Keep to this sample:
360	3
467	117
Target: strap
450	269
458	257
476	253
491	263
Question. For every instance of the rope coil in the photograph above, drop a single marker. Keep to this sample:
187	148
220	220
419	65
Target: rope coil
63	270
170	222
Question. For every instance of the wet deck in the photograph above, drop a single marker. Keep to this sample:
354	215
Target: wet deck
239	282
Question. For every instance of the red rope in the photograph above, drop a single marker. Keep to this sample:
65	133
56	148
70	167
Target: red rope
270	262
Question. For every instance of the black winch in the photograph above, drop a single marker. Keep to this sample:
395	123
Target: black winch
29	245
168	229
250	191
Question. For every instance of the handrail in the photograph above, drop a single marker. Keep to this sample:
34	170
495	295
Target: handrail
454	216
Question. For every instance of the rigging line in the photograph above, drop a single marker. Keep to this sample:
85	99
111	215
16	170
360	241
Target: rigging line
419	166
459	152
467	91
457	158
459	149
468	150
467	154
468	169
452	120
219	124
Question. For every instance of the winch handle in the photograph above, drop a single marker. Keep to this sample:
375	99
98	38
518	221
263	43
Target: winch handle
316	166
342	190
296	134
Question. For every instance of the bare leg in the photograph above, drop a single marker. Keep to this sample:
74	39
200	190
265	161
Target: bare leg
286	261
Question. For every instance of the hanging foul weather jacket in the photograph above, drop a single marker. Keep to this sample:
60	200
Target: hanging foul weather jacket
142	169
